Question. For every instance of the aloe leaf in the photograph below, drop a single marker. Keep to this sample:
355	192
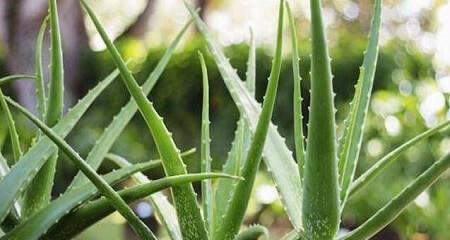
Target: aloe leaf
191	222
14	137
56	88
321	188
205	154
380	165
355	122
392	209
36	225
139	227
40	86
298	116
10	78
120	121
252	233
23	172
38	194
87	215
237	206
277	156
239	146
13	218
164	210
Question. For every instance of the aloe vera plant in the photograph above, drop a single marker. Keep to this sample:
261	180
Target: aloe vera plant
314	185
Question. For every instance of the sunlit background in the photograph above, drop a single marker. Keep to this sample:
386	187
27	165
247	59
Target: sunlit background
411	94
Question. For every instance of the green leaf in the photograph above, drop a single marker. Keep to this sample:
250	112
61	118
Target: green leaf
23	172
120	121
10	78
39	192
205	155
189	216
56	88
13	217
392	209
252	233
381	165
93	212
321	189
239	146
277	156
236	208
40	86
355	122
298	116
164	210
139	227
14	137
104	143
35	226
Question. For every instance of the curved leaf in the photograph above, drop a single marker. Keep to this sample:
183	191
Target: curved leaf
93	212
205	155
235	211
39	223
392	209
23	172
277	156
380	165
139	227
189	215
355	122
10	78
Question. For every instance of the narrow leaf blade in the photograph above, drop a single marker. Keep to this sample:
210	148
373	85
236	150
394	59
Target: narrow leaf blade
392	209
139	227
356	120
189	215
277	156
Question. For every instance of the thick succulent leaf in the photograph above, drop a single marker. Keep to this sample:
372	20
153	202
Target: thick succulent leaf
252	233
298	116
36	225
103	145
381	165
93	212
114	199
235	210
10	78
189	216
355	122
321	189
13	217
164	210
13	135
39	192
23	172
392	209
276	154
120	121
41	104
239	146
56	87
205	153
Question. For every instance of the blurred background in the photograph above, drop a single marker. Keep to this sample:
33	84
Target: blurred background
411	91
